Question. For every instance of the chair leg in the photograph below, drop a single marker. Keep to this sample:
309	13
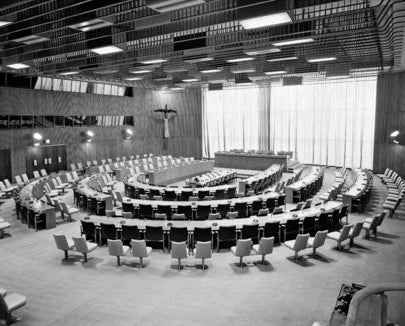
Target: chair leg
339	246
203	264
263	259
179	264
241	262
66	255
141	261
314	252
351	242
296	255
118	261
85	258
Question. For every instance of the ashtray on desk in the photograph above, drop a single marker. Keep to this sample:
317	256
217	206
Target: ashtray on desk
323	209
30	202
169	224
260	198
348	289
294	215
128	200
123	222
214	224
87	218
256	221
193	203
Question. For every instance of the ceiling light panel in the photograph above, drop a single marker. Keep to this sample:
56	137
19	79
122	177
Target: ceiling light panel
31	39
294	42
4	23
267	20
278	72
324	59
110	49
240	59
92	24
282	59
170	5
17	66
261	51
153	61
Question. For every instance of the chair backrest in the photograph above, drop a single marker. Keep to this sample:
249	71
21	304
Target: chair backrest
214	216
356	229
19	180
344	234
178	216
25	178
227	232
381	218
153	233
374	221
119	196
139	248
278	210
320	238
115	247
64	207
243	247
263	212
301	241
250	231
179	250
80	244
202	234
178	234
203	249
160	216
61	242
36	174
266	245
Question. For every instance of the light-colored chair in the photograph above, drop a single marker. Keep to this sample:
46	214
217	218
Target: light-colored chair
317	241
25	178
178	216
214	216
264	247
63	244
116	248
36	174
242	249
83	246
69	211
300	243
263	212
370	224
44	173
140	250
179	251
3	292
203	251
10	303
340	236
355	232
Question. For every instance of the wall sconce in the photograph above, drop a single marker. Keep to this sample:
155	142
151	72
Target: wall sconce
89	136
128	134
37	137
394	135
47	141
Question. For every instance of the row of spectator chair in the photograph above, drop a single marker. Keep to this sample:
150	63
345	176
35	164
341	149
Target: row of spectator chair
336	189
396	190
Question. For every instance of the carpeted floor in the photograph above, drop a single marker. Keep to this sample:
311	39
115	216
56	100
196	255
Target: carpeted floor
281	293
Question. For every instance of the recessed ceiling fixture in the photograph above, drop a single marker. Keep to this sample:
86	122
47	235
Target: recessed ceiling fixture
262	51
4	23
240	59
190	80
282	59
173	70
242	70
163	78
176	88
17	66
210	71
37	136
170	5
153	61
133	78
68	73
143	71
394	134
110	49
93	24
267	20
196	60
294	42
31	39
338	76
106	72
325	59
278	72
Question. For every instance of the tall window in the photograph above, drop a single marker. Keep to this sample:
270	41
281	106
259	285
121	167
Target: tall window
329	123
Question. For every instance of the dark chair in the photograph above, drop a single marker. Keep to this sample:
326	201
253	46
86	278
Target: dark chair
89	230
154	192
129	232
271	203
184	196
291	229
165	209
170	195
202	194
231	193
178	234
241	208
36	220
223	209
154	234
128	207
226	234
281	200
308	226
202	234
272	229
219	194
145	211
344	212
202	212
257	205
186	210
250	231
107	231
335	220
323	222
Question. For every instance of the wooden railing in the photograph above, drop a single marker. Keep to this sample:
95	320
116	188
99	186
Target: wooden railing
363	294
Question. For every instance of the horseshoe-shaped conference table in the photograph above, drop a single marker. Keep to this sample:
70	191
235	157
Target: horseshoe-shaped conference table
88	186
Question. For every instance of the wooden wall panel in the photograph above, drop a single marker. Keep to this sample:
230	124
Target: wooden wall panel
185	127
390	116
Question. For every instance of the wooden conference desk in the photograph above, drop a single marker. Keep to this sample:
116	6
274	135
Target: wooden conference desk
249	161
328	207
179	172
357	189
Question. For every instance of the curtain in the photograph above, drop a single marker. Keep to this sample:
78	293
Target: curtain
329	123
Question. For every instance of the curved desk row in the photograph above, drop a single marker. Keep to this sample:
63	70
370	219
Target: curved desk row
249	161
359	187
